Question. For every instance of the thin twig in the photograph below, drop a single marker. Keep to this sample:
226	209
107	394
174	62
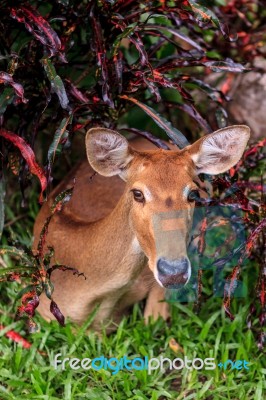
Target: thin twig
15	220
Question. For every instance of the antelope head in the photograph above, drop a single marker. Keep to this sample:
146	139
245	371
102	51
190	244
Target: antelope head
161	190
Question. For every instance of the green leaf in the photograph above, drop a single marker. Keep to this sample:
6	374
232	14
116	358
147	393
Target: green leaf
258	394
13	251
6	98
61	199
126	33
49	288
60	134
227	65
174	134
207	325
206	15
19	269
205	387
203	13
221	117
57	85
21	41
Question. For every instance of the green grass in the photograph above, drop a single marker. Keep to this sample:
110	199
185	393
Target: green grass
29	373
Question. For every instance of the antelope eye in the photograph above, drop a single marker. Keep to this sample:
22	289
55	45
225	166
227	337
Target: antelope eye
138	196
193	196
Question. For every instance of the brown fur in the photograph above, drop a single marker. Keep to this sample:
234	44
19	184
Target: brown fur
119	285
107	235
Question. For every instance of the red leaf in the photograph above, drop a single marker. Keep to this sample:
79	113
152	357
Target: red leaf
39	28
29	156
7	78
254	149
157	78
101	59
30	301
229	289
251	240
251	151
76	93
119	70
176	33
227	65
64	268
144	59
78	127
57	313
153	89
202	242
32	305
16	337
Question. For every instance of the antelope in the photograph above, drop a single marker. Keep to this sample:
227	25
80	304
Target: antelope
122	228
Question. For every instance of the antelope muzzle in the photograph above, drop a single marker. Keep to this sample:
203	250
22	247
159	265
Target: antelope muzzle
174	274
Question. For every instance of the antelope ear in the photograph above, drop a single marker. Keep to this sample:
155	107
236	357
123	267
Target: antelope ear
219	151
107	152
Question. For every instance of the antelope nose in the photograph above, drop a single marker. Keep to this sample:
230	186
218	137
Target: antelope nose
173	274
